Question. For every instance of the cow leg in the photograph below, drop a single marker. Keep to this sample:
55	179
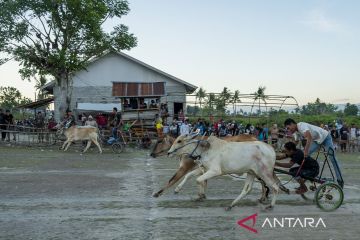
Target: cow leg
195	172
202	186
63	146
247	188
97	144
67	146
265	191
209	174
271	182
177	176
87	146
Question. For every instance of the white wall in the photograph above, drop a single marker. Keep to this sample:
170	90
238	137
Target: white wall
116	68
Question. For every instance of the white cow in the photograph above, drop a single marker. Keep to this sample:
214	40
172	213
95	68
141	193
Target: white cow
79	133
219	157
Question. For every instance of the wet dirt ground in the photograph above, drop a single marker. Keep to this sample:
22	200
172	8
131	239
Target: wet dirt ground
49	194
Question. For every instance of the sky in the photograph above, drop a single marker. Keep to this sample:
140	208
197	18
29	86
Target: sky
306	49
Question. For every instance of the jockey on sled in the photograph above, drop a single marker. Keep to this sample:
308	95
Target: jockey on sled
308	167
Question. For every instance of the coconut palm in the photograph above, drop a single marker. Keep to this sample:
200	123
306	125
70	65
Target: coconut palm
235	99
259	95
210	100
201	95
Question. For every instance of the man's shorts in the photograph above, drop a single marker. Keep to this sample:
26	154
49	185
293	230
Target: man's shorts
304	172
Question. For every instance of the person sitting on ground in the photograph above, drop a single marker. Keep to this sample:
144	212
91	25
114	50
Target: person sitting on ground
308	167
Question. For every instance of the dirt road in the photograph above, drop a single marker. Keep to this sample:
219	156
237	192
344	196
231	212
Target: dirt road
49	194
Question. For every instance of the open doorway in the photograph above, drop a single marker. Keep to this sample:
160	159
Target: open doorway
177	107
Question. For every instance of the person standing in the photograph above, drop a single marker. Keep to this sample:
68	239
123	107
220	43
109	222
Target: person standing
159	125
9	119
69	119
185	128
274	134
39	125
115	121
353	138
315	137
344	137
2	125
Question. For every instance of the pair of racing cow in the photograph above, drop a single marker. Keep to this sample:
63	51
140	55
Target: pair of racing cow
215	157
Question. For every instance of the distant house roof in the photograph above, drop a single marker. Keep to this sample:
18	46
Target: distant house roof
36	104
49	87
189	87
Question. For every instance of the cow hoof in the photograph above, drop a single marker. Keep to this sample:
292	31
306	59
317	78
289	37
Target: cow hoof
262	200
228	208
198	199
176	192
201	198
156	195
269	207
284	189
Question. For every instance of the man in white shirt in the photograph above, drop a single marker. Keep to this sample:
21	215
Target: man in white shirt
315	137
353	138
184	128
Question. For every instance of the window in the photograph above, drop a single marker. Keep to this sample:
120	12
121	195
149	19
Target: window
123	89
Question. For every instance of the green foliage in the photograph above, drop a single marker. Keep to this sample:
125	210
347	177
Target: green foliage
11	97
58	38
351	110
192	110
200	95
41	82
318	108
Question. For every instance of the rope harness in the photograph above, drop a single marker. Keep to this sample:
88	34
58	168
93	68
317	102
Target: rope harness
193	155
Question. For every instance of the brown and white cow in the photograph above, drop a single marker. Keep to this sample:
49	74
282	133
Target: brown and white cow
79	133
187	164
219	157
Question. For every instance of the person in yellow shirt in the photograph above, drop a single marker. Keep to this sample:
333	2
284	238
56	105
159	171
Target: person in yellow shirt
159	125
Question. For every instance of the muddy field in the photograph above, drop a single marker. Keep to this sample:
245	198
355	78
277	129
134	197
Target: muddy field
49	194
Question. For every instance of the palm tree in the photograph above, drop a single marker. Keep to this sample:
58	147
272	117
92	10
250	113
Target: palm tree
260	96
225	95
210	101
235	99
201	94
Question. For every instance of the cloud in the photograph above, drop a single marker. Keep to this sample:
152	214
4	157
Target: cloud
318	20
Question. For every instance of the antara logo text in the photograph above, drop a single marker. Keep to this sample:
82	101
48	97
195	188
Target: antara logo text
283	222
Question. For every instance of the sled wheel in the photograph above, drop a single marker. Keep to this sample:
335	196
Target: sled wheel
117	148
329	196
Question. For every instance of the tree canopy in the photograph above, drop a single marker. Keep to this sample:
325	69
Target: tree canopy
59	37
318	108
351	110
11	97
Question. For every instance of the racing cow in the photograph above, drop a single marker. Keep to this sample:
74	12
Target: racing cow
219	157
